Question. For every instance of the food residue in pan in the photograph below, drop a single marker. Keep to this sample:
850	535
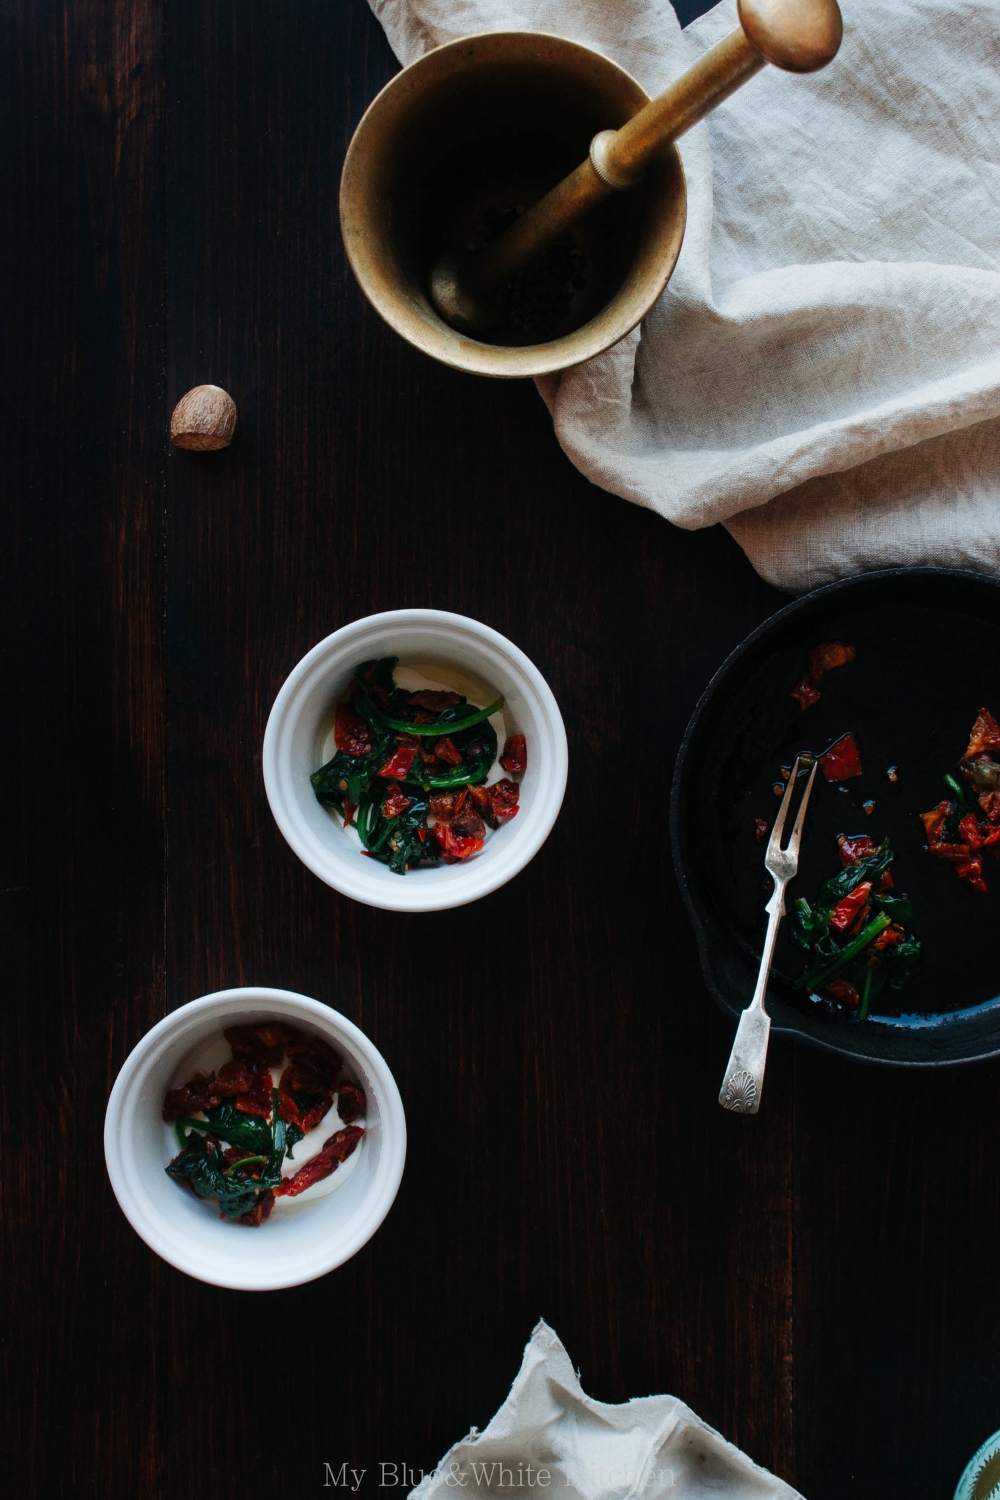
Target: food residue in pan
822	659
963	827
857	935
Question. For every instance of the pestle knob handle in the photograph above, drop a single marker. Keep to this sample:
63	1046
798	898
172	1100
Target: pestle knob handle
800	36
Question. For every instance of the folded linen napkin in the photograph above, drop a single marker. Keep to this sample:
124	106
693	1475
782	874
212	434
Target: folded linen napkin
550	1438
822	373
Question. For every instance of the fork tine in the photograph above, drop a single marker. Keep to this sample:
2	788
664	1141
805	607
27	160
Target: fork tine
796	838
774	842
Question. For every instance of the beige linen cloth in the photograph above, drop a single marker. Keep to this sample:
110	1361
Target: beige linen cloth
550	1439
822	373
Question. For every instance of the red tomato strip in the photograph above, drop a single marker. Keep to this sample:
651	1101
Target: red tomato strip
336	1150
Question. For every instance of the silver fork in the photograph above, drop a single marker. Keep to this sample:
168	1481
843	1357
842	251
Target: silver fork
741	1087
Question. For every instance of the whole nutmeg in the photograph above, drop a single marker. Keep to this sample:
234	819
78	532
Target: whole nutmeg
203	419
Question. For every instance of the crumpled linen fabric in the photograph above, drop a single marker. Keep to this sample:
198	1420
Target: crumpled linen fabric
822	373
550	1438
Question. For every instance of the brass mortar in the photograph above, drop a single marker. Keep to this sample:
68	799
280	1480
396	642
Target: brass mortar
486	124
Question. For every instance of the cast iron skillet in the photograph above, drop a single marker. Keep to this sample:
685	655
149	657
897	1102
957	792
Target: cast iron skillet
928	657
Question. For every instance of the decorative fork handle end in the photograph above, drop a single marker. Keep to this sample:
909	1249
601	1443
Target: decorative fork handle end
744	1080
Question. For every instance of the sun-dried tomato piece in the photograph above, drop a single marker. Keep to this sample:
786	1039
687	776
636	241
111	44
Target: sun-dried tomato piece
317	1109
264	1044
822	658
990	804
351	732
480	797
805	692
395	802
336	1150
351	1102
192	1097
514	756
260	1211
232	1078
854	848
397	767
830	654
308	1047
844	991
453	847
288	1110
952	852
434	700
257	1099
889	937
985	735
968	827
175	1105
845	912
990	837
760	829
504	796
972	874
468	825
934	822
445	751
842	760
971	870
955	854
303	1097
441	805
349	811
302	1076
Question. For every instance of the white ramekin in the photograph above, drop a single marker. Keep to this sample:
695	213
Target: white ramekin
186	1231
303	711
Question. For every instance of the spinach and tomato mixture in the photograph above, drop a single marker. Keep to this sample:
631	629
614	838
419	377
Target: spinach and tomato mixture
964	826
857	933
410	771
237	1127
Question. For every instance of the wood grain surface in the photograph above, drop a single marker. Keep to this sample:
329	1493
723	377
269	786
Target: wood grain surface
820	1284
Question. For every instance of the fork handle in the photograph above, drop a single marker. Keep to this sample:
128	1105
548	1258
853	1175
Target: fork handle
744	1077
775	909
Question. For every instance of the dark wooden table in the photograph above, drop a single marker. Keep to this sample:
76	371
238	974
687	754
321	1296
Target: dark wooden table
820	1284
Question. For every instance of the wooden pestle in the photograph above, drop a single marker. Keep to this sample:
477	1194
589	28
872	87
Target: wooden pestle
800	36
